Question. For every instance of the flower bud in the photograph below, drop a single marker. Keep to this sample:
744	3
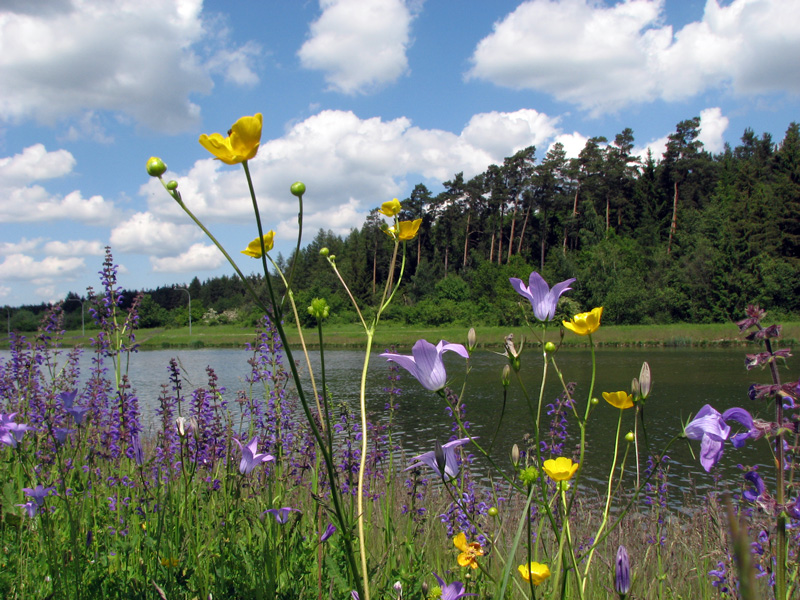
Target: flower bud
515	455
635	389
594	401
324	252
549	347
629	437
156	167
622	573
172	185
493	512
472	339
645	383
319	309
529	475
506	377
298	188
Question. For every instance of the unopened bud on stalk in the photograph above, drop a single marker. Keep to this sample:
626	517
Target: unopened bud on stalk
298	188
515	455
472	339
635	389
629	437
506	377
549	347
324	252
645	382
172	185
156	167
622	573
594	401
319	309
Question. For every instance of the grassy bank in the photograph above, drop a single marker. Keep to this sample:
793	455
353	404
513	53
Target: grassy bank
403	336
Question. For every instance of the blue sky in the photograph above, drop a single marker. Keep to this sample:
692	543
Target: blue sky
362	99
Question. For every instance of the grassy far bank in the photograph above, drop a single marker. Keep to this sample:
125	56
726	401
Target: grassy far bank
403	336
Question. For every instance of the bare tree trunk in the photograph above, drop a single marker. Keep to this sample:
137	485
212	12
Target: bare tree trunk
674	225
446	253
544	239
574	212
524	227
500	237
374	266
511	236
466	240
608	206
491	248
419	248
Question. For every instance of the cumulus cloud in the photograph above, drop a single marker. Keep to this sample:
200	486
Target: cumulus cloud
359	44
564	48
24	246
35	163
24	268
357	165
199	257
143	233
74	248
145	60
712	129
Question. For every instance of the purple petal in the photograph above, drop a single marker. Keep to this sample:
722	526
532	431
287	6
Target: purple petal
708	422
430	368
459	349
710	452
756	480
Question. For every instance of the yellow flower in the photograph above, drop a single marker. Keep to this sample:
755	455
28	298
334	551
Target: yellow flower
391	208
585	323
170	562
560	469
469	552
535	572
407	230
240	145
619	400
254	248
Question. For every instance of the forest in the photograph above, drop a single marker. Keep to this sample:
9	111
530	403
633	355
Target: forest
684	237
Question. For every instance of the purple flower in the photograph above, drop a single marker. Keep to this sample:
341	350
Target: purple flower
38	494
61	433
329	531
452	591
622	572
542	298
67	398
710	427
250	458
447	457
281	514
78	414
426	364
756	480
30	508
12	433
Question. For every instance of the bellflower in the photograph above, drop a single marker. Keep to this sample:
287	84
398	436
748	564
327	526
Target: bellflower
543	299
426	364
452	591
281	514
240	145
38	494
450	459
744	418
12	433
250	458
622	573
329	531
708	427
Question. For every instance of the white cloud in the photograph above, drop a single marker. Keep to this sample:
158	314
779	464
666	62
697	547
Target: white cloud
712	129
25	268
4	291
573	143
74	248
199	257
142	59
24	246
357	165
143	233
359	44
34	163
566	48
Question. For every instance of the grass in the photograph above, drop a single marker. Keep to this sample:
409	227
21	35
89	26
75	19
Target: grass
403	336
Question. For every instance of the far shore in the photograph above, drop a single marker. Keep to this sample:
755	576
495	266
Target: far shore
404	336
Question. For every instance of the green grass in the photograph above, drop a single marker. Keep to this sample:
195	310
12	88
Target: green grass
403	336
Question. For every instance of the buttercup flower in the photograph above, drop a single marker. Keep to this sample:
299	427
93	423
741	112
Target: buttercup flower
254	248
469	552
391	208
405	231
585	323
250	458
619	400
535	572
542	298
426	363
240	145
452	591
560	469
449	455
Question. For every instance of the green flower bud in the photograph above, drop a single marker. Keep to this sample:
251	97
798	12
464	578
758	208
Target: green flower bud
506	377
156	167
594	401
629	437
549	347
324	252
172	185
529	475
319	309
493	512
298	188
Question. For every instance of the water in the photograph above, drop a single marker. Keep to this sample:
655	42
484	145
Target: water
684	379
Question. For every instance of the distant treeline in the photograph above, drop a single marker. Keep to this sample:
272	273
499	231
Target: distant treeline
687	237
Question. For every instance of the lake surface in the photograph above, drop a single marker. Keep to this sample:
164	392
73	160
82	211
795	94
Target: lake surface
684	379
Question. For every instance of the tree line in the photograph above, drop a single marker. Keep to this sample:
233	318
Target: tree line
689	236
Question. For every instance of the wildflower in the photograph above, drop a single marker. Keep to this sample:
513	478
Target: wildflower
560	469
405	230
254	248
78	414
30	508
511	352
250	458
12	433
298	188
281	514
156	167
585	323
186	426
757	482
710	427
535	572
329	531
450	461
391	208
645	381
452	591
38	494
426	363
622	572
240	145
621	400
543	299
469	552
61	433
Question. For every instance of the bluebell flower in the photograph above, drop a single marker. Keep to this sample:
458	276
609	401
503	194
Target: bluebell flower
451	591
445	464
710	428
622	572
543	299
281	514
250	457
426	364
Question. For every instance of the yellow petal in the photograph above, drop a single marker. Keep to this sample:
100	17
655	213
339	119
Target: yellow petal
460	542
391	208
621	400
560	469
242	143
407	230
254	248
585	323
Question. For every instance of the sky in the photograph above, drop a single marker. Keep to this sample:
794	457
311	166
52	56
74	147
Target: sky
361	100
